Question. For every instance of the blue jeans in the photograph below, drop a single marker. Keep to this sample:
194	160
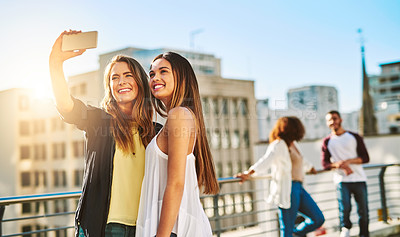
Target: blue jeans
301	202
359	190
116	230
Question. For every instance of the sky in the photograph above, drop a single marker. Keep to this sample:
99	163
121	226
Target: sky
279	44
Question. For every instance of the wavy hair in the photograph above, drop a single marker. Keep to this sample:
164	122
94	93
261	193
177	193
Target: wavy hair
288	129
142	111
186	94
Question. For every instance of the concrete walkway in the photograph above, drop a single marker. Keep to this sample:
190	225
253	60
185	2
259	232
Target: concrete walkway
377	229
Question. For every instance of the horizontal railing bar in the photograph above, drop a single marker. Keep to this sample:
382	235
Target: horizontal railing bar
39	216
39	231
38	197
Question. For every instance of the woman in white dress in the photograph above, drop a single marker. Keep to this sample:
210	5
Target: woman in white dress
178	159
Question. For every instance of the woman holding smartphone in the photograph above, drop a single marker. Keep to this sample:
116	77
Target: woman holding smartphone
178	159
116	136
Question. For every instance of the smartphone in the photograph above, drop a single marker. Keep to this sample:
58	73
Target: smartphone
83	40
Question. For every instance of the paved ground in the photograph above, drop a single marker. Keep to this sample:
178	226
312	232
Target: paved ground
378	229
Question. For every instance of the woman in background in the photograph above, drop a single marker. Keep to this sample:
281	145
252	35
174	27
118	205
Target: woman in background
287	167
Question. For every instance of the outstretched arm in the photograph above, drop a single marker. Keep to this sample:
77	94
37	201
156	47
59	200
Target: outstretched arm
180	127
56	60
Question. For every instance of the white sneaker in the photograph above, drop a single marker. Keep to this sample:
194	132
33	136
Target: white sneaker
345	232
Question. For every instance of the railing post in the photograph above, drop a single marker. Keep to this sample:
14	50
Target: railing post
216	214
2	209
383	194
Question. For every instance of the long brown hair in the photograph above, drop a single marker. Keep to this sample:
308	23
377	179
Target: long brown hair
288	129
142	111
186	94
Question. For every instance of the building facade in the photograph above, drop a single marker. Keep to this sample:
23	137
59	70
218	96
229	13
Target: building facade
385	91
309	103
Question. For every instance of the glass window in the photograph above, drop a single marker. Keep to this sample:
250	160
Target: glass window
225	106
215	106
55	179
216	139
246	139
243	107
26	207
37	178
26	228
235	108
236	139
78	176
24	152
24	128
64	178
206	106
25	179
44	174
225	139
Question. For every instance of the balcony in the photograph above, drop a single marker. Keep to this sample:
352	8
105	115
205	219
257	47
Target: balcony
231	213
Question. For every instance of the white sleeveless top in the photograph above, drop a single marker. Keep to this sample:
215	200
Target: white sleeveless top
191	220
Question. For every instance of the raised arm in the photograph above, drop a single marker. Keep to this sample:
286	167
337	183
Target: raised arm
180	127
56	60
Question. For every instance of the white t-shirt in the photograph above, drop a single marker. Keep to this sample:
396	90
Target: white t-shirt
344	147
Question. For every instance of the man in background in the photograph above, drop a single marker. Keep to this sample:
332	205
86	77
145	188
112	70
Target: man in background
345	152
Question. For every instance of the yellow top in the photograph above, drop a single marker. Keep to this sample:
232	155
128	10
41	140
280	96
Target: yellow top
127	183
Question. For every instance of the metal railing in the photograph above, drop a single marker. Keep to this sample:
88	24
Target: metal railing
238	207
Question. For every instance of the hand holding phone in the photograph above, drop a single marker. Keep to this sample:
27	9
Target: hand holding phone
81	40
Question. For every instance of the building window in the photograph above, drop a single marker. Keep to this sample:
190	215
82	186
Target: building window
206	106
24	152
225	139
44	175
219	170
60	206
36	180
39	151
61	233
235	109
216	139
26	228
56	181
246	139
243	107
24	128
58	150
236	139
36	126
26	208
225	107
25	179
78	177
59	178
215	106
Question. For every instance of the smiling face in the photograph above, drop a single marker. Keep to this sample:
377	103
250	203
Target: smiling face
123	86
162	81
333	121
